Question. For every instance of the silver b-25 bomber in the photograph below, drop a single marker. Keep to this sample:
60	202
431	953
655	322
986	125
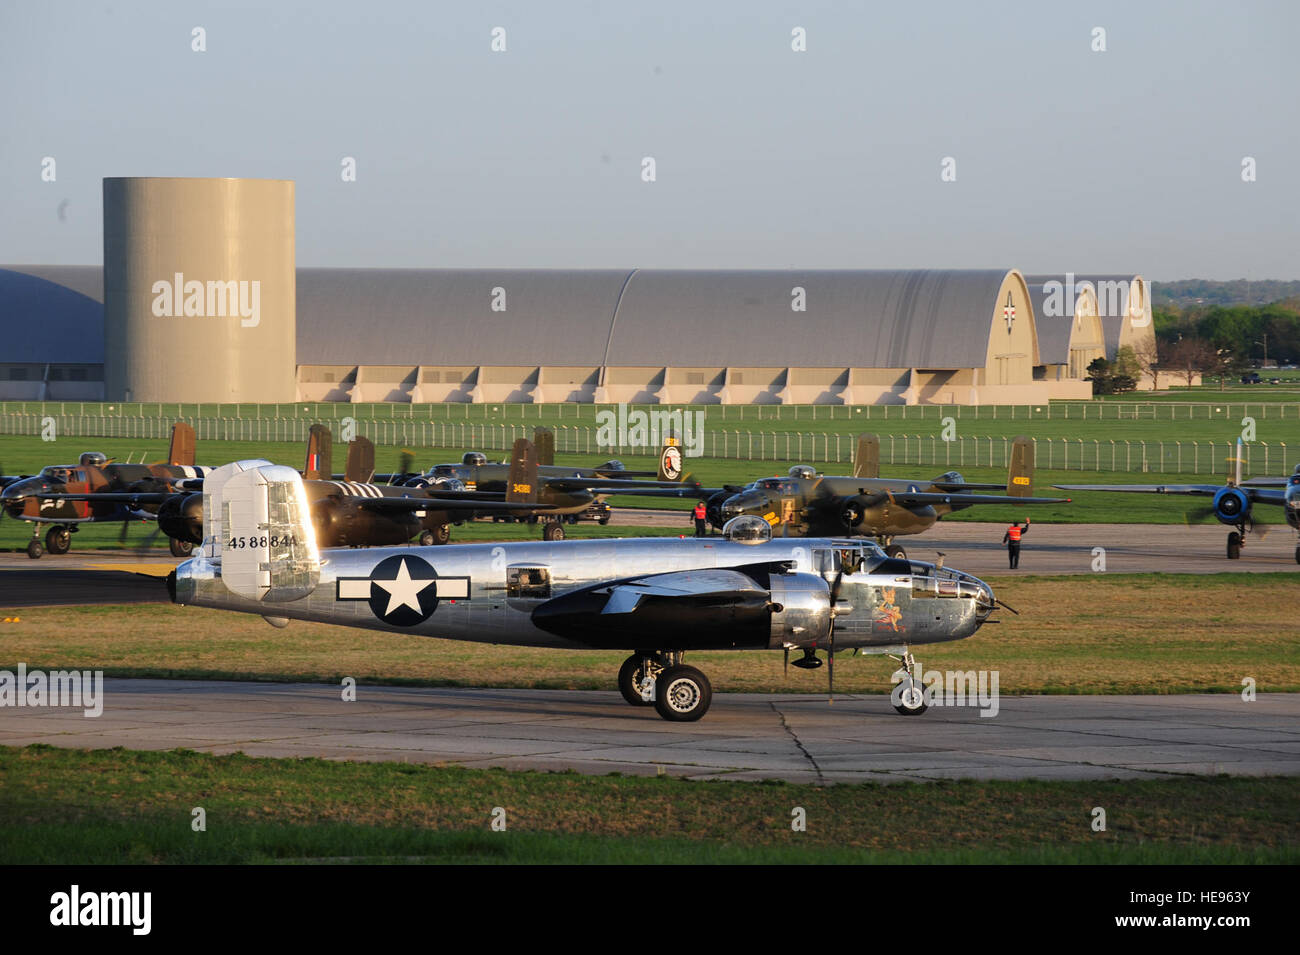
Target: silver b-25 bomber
657	598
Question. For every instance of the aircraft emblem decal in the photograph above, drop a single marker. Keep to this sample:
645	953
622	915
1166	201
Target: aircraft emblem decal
403	591
671	462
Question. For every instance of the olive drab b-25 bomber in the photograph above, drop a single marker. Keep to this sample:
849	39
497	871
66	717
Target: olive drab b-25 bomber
807	504
1230	503
97	490
657	598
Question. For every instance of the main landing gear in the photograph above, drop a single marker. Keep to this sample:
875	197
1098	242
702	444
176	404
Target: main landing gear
1237	540
908	695
58	540
891	549
553	531
180	549
439	535
679	694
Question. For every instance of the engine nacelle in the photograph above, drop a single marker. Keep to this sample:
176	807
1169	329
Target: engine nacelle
613	465
182	518
1231	506
804	619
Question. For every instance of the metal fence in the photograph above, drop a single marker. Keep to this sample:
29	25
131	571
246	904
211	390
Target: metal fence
928	450
1204	409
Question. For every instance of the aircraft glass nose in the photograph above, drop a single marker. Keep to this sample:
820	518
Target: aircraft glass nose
21	489
747	503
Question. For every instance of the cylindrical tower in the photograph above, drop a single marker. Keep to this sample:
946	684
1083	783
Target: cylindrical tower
199	294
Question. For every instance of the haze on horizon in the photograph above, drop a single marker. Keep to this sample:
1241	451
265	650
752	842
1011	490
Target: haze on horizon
1129	159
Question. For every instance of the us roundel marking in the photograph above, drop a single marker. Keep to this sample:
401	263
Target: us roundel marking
403	591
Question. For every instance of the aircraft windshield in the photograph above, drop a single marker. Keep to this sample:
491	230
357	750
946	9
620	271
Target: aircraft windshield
783	485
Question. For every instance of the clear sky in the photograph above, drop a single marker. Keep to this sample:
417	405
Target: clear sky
1128	160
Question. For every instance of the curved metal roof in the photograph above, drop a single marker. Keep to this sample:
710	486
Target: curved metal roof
445	316
58	310
861	319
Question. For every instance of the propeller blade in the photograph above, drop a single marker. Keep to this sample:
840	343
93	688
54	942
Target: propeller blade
1198	515
830	663
785	670
121	538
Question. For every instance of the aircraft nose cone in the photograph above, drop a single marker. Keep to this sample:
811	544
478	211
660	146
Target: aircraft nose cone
739	505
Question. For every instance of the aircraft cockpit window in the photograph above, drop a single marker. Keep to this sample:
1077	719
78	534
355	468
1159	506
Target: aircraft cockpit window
528	583
783	485
474	459
443	470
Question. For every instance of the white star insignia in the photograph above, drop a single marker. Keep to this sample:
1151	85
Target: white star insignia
403	591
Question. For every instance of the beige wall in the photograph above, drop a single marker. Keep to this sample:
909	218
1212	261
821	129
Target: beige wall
1012	352
229	335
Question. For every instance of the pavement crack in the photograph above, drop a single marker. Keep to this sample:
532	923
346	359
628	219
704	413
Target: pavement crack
785	725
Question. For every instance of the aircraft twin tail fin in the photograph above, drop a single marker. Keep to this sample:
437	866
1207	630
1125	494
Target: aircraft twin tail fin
522	486
320	454
1020	470
361	460
180	452
259	531
671	466
544	441
866	458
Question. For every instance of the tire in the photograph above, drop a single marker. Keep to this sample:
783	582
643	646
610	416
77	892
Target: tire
912	700
58	540
1297	555
1234	546
438	536
35	550
893	550
179	548
425	539
682	694
553	531
605	520
627	675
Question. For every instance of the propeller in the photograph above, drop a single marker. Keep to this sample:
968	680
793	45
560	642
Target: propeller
404	465
830	639
1198	514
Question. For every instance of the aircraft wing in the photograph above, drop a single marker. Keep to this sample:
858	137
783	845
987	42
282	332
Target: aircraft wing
1262	495
614	485
921	498
441	504
712	583
125	497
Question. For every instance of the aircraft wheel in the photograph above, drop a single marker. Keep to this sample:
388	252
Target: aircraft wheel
436	537
179	548
629	680
909	698
554	531
605	520
58	540
34	549
1297	555
1234	546
682	694
893	550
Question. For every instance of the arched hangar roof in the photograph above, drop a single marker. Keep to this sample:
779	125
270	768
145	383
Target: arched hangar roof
52	313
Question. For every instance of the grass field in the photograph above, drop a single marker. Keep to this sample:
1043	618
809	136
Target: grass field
1101	634
114	806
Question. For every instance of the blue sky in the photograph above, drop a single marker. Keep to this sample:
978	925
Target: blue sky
1066	158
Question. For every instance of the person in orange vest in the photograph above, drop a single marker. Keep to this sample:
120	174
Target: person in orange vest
700	512
1012	539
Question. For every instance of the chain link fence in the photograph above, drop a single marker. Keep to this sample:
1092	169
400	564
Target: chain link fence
929	450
